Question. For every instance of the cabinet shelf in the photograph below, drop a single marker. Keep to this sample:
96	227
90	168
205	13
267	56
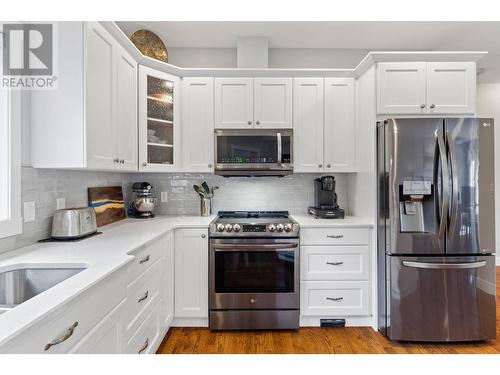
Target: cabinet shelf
159	120
160	144
159	100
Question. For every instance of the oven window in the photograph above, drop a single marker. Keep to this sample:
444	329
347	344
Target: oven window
259	149
254	272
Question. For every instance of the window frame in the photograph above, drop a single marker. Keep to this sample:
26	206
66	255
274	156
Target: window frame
13	224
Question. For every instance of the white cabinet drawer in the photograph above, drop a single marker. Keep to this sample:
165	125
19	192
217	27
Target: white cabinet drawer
146	337
74	319
334	298
145	257
334	236
142	295
334	262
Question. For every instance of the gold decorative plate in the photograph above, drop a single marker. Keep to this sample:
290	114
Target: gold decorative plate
150	45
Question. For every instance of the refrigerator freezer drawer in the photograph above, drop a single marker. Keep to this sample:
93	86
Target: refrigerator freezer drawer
441	298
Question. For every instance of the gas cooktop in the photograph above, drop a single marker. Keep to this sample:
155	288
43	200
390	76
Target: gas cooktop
253	224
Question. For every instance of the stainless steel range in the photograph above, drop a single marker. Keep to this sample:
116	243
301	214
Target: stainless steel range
254	271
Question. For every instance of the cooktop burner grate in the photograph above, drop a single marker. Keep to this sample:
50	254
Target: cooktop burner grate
253	214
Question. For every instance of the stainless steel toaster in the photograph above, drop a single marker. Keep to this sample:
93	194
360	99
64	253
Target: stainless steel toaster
72	223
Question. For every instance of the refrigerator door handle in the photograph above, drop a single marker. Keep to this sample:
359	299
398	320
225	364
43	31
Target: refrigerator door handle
444	266
445	183
454	181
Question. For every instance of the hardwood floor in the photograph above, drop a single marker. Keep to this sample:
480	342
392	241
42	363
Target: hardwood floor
350	340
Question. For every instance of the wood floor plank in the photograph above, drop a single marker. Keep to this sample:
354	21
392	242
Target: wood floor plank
349	340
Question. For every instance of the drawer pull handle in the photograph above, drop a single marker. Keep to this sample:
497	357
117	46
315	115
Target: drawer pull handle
335	299
335	263
145	296
335	235
67	335
144	260
144	346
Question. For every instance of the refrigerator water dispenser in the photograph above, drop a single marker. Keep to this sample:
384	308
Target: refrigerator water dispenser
415	200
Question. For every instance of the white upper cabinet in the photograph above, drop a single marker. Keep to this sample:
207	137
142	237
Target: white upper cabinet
451	87
89	120
308	115
191	273
159	121
432	88
198	124
401	88
126	113
100	79
340	125
273	103
234	103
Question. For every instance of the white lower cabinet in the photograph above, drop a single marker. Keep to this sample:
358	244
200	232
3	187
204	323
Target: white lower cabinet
334	298
60	331
167	282
335	275
191	273
106	337
147	338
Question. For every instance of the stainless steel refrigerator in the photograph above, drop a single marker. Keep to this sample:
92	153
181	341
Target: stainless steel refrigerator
436	229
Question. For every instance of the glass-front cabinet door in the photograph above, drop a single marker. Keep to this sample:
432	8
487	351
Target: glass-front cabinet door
159	121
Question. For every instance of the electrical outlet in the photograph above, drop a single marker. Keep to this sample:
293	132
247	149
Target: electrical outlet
164	196
29	212
61	203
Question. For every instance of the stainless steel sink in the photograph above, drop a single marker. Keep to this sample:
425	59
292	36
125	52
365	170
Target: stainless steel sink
19	285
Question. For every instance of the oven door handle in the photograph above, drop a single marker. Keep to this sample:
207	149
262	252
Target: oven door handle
261	247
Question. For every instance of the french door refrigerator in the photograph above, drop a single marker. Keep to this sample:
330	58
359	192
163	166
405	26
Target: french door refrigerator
436	229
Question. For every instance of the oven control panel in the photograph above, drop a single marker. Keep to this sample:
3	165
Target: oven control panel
254	228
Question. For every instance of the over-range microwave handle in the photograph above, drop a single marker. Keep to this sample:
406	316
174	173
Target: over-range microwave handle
444	266
280	147
254	247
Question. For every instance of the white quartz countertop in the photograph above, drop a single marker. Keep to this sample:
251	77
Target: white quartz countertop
307	221
99	255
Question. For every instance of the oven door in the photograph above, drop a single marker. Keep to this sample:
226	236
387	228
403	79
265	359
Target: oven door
253	152
254	273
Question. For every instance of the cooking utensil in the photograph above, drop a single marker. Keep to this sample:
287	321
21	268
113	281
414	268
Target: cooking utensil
200	191
205	187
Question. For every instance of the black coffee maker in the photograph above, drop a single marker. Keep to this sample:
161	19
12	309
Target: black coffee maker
325	199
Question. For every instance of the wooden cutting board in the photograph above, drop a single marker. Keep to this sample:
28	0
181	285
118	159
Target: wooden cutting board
108	204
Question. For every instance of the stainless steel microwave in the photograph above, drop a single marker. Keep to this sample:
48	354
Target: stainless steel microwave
253	152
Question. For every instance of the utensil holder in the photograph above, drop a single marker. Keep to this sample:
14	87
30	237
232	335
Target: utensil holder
205	206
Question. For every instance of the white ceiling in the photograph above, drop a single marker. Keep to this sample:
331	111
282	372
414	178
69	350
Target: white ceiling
484	36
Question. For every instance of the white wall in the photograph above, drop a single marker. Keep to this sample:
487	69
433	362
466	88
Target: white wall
488	98
278	57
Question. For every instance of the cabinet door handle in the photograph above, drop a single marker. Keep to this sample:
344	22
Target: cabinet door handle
433	106
144	260
258	122
122	161
145	296
203	235
144	346
335	235
116	160
67	335
320	165
422	106
328	165
249	122
144	164
210	166
335	263
335	298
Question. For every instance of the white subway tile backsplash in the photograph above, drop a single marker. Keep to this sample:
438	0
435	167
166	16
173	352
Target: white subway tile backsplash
43	186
